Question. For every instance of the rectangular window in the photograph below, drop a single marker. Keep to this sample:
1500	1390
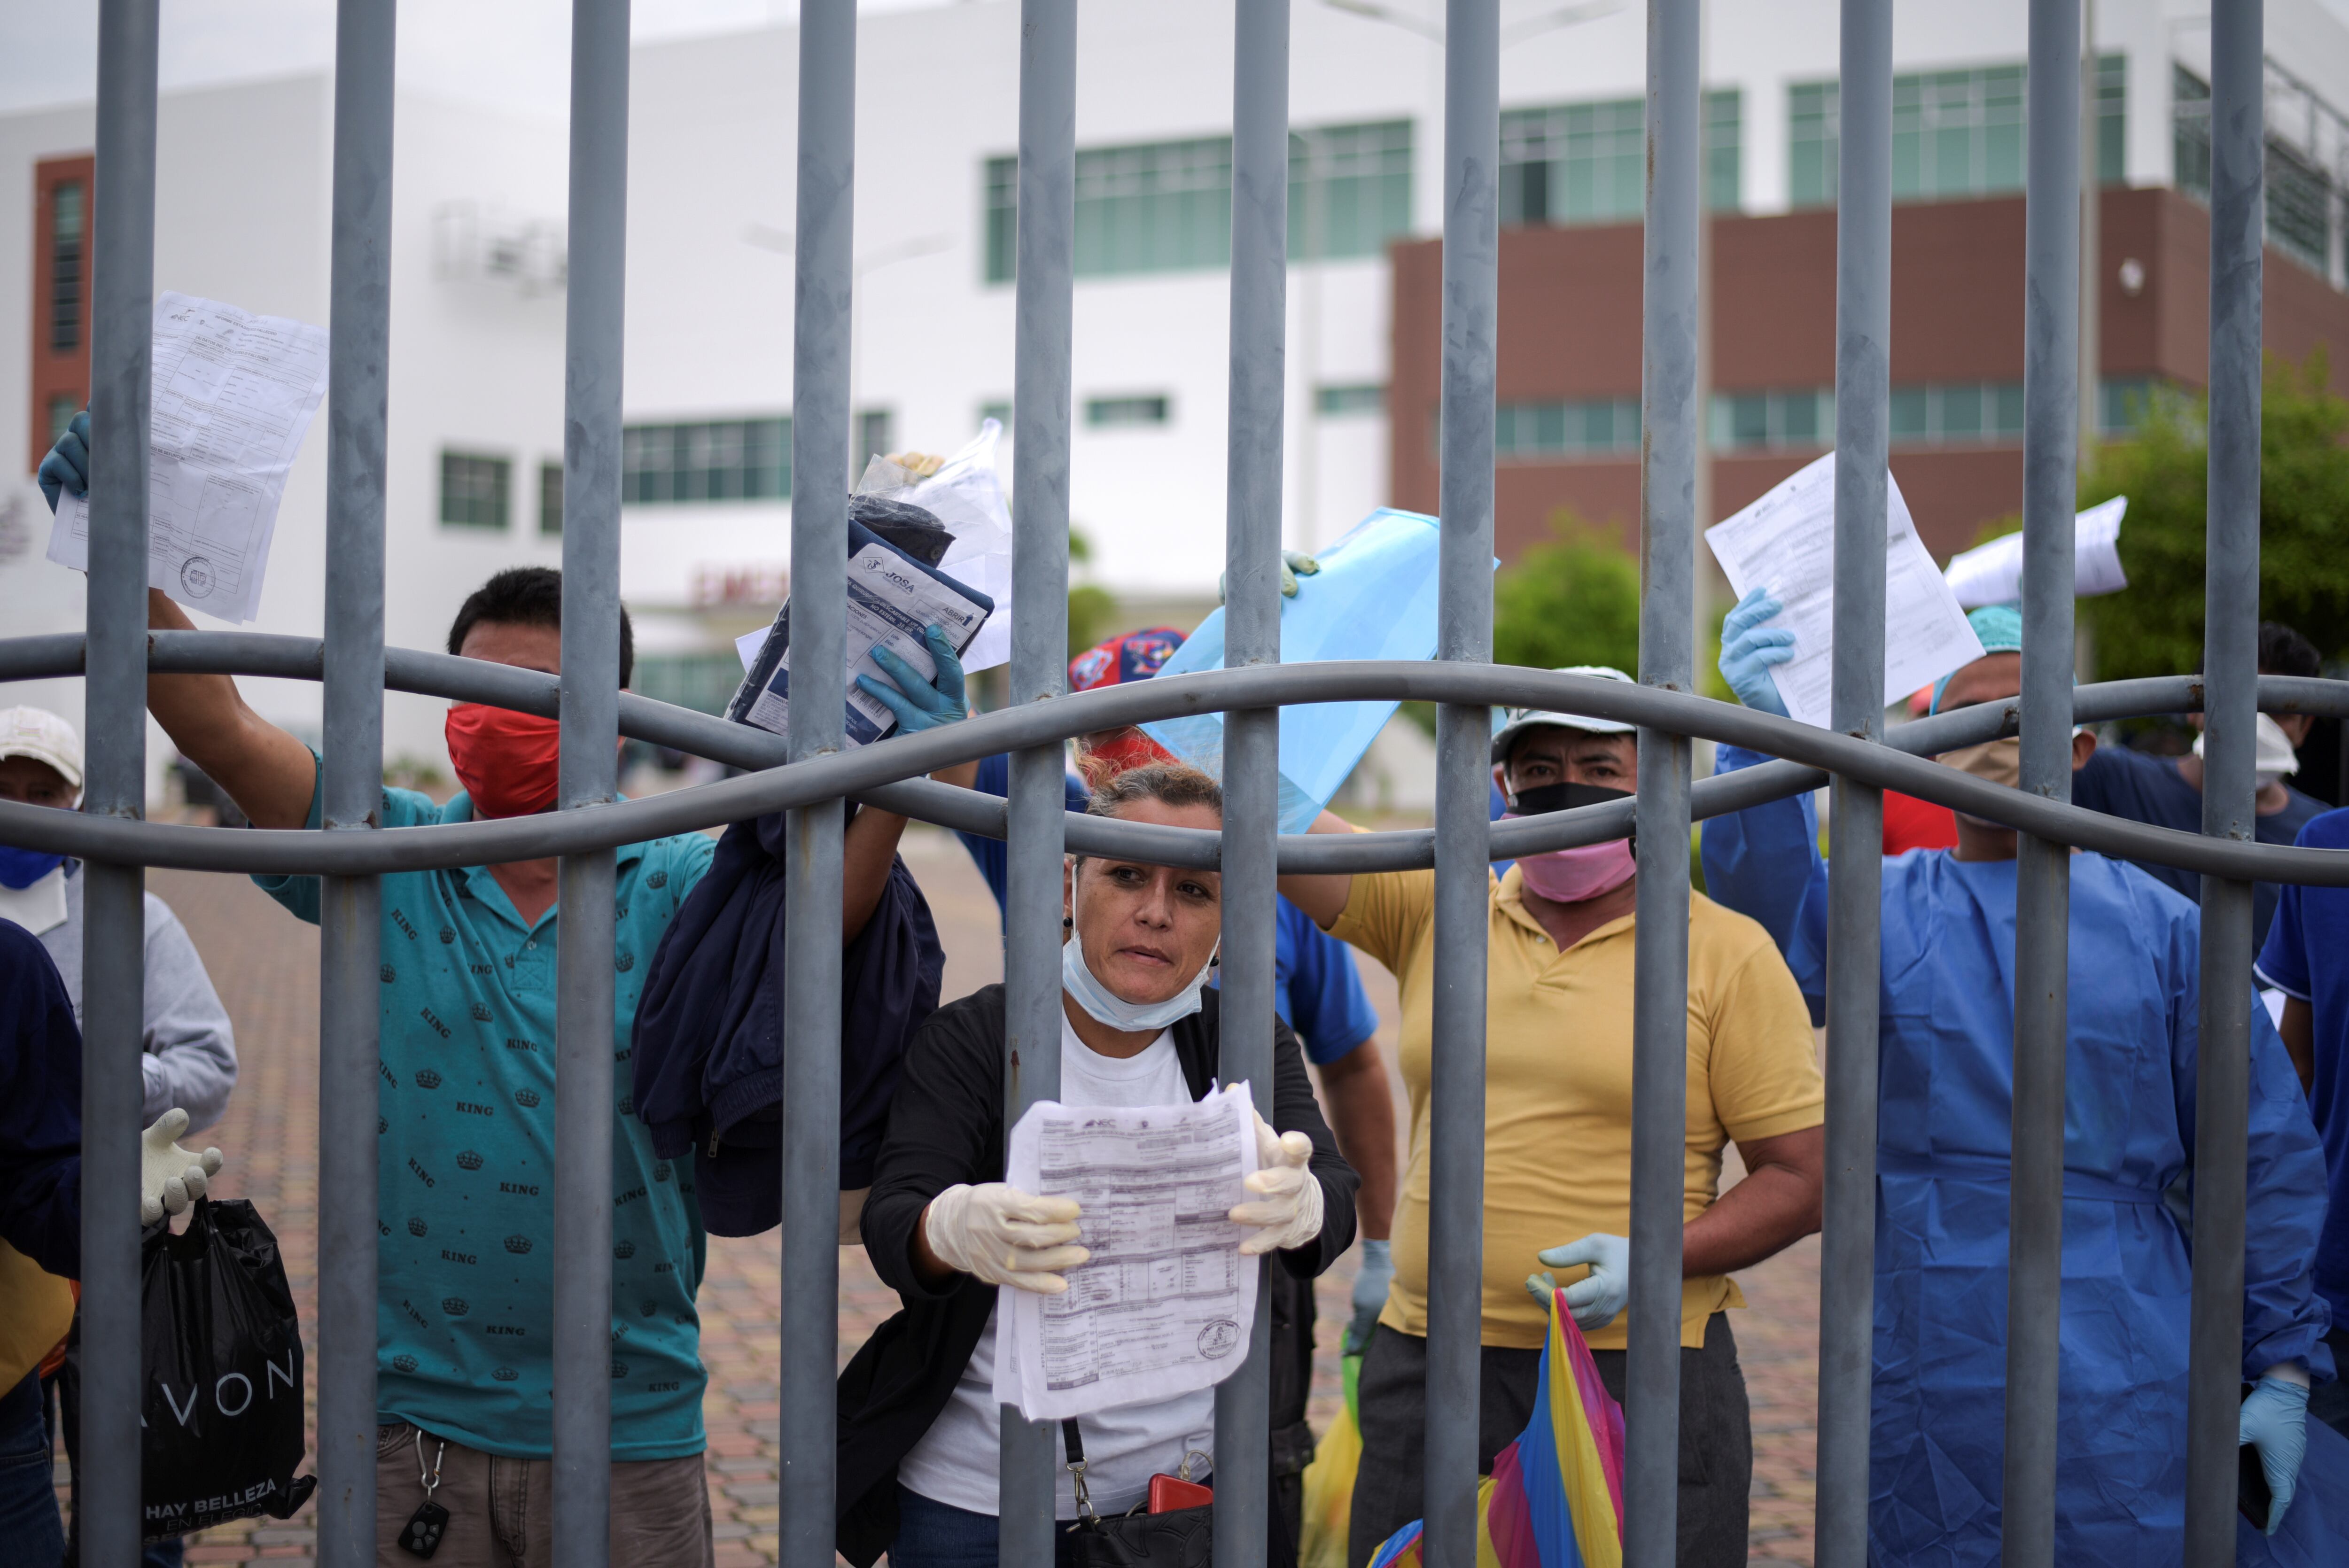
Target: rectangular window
1370	397
1587	162
1161	207
1957	414
550	498
473	490
703	683
1125	413
1349	190
723	460
2125	403
1586	427
66	235
1796	419
1000	412
63	407
1955	134
2299	195
1723	149
999	186
873	437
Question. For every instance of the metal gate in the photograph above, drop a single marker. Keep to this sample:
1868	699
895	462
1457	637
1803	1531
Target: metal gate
814	774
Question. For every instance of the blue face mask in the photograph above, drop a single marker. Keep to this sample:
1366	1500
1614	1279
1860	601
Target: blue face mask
21	868
1106	1006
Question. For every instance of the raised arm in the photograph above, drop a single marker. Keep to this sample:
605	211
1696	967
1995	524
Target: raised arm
269	774
1321	897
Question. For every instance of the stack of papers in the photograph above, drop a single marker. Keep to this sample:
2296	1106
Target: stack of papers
1786	543
234	396
1992	573
1164	1304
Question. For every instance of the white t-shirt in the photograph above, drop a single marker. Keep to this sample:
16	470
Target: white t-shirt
956	1461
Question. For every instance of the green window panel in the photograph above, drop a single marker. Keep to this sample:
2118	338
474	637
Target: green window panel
1368	397
1587	162
704	683
2303	200
550	498
1127	413
691	464
1954	133
473	490
1349	190
1585	428
1789	419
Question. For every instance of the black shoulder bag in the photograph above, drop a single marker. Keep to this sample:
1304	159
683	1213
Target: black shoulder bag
1179	1538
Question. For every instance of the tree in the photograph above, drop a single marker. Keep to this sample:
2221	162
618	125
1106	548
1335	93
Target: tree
1573	599
1090	605
2154	627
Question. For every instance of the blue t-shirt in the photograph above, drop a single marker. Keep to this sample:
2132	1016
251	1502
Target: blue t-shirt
1314	989
465	1292
2146	788
2305	957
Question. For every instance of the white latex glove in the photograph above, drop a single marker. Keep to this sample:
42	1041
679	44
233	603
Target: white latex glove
170	1177
1000	1235
1287	1208
1599	1298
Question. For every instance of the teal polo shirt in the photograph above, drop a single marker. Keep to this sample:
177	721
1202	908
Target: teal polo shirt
465	1174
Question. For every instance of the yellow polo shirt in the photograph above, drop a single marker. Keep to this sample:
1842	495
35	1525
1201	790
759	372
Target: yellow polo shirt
1557	1086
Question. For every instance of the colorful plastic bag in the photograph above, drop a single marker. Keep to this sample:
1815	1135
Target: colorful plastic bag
1329	1480
1555	1498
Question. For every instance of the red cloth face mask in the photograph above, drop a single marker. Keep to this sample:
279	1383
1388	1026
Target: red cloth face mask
1131	749
508	762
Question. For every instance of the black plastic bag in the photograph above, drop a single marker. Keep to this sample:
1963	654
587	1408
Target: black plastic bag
223	1406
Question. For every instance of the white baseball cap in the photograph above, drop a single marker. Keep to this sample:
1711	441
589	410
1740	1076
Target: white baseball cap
37	733
1524	718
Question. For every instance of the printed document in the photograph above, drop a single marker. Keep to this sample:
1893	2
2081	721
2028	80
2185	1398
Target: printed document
234	396
1163	1305
1786	543
890	602
1992	573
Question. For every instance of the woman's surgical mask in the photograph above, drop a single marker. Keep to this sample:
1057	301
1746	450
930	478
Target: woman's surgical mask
1586	870
2274	756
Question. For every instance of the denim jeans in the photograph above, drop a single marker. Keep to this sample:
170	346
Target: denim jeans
31	1533
932	1534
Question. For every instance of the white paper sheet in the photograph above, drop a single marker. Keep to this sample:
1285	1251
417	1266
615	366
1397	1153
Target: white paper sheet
1992	573
1786	543
890	602
1165	1304
966	496
234	396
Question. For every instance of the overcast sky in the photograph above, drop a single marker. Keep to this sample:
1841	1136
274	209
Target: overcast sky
508	53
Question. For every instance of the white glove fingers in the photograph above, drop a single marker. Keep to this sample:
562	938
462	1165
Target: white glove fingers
192	1182
1261	1242
1026	1206
1039	1260
168	1126
1021	1234
1589	1250
212	1161
149	1211
1585	1293
175	1196
1296	1148
1036	1283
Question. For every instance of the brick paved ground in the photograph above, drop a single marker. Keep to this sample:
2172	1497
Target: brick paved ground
266	965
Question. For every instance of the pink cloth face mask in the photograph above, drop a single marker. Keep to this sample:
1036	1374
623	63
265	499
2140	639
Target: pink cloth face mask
1570	876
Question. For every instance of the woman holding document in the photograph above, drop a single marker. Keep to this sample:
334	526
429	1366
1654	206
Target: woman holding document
919	1423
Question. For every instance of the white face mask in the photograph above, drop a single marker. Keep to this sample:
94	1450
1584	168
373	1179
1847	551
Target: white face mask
2273	758
1107	1008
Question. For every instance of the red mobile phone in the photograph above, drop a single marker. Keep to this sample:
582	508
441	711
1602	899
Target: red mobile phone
1168	1493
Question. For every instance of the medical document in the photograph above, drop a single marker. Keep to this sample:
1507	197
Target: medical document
234	396
1163	1305
1992	573
1786	543
890	602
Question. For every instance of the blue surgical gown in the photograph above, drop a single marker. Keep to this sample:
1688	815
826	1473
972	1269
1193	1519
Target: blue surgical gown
1946	1079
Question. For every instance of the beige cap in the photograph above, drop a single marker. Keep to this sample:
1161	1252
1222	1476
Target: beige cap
37	733
1521	719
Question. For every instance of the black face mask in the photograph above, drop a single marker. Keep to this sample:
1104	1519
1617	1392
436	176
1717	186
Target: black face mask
1543	799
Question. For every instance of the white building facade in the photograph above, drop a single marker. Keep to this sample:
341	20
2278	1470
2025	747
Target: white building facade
476	420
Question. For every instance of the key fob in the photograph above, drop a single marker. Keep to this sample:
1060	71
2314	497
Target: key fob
421	1536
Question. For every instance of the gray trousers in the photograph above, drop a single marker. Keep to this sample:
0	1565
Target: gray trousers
1716	1437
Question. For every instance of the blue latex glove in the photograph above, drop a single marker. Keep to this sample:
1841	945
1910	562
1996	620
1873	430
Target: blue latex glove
1748	649
1599	1299
919	704
1294	564
2274	1421
1370	1283
67	467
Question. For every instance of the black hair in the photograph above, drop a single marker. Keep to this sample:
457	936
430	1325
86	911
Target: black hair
2284	652
529	596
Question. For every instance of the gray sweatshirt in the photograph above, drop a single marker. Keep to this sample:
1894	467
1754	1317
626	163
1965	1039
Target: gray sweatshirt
190	1059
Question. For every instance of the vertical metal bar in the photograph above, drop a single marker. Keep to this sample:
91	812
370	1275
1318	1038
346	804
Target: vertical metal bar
813	851
1668	439
350	939
2051	369
2092	175
2230	672
1455	1244
1855	706
1046	260
1259	322
583	1067
114	783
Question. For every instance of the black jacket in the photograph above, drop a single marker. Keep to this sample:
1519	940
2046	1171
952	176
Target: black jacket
945	1126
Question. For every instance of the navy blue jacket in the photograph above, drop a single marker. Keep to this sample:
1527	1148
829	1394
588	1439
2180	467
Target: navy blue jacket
40	1107
707	1052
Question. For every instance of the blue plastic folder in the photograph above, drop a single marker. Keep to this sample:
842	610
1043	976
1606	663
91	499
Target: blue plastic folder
1374	598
